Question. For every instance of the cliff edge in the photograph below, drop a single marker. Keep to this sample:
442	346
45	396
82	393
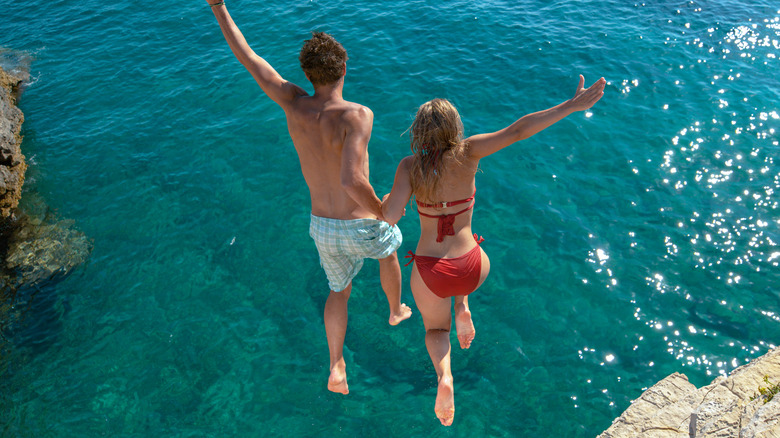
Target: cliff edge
36	246
742	405
12	164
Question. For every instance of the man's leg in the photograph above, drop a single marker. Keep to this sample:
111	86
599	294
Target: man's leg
336	330
390	277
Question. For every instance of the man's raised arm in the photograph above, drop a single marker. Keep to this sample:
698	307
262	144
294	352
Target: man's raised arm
279	90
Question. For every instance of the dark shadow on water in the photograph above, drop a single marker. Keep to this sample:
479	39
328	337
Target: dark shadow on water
701	317
38	251
30	324
35	320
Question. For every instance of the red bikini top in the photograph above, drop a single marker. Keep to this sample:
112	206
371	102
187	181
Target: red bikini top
446	221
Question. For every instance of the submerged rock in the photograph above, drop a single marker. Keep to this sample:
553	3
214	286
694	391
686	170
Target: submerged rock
42	249
741	405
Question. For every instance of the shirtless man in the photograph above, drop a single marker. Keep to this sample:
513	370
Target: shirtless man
331	137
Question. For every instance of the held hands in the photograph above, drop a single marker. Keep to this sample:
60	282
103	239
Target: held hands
584	98
384	198
384	202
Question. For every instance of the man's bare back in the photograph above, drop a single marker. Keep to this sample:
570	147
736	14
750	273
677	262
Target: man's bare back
319	127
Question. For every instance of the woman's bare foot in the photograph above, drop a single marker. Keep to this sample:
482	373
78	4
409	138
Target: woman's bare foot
464	326
404	313
445	401
337	382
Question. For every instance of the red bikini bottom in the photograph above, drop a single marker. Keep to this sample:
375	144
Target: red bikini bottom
450	277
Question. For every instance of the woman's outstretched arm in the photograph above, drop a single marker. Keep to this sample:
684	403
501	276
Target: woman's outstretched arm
482	145
394	203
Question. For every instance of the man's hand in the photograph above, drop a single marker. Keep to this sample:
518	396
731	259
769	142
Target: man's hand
584	98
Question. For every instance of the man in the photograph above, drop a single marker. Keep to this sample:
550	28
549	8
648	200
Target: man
331	137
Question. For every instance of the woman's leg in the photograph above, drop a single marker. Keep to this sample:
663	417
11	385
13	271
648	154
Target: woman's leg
437	318
464	326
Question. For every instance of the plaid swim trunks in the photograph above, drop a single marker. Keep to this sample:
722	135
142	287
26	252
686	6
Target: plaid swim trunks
343	244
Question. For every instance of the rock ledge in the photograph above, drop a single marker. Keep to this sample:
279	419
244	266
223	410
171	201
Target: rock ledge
729	407
36	247
12	164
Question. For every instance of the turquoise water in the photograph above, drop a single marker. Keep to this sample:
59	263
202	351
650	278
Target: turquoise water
627	243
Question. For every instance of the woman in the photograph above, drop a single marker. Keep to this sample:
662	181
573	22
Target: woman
449	263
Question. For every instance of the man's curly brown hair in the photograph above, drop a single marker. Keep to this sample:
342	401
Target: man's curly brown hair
322	59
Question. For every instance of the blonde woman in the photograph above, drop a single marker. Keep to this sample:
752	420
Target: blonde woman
449	264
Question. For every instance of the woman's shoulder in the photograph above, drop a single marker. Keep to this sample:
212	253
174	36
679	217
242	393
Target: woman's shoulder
468	149
465	157
406	162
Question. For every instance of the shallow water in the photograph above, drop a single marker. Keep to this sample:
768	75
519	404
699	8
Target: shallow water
626	243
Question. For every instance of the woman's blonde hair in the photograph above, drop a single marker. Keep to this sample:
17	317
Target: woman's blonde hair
436	133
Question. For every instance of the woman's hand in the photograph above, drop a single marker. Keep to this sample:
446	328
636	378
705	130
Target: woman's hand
584	98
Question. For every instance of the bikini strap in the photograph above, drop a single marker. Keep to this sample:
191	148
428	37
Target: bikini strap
409	256
446	222
446	204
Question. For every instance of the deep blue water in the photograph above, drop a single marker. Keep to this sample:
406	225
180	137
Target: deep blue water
627	243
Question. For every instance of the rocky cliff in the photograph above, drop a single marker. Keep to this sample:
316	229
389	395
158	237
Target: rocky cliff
742	405
36	246
12	164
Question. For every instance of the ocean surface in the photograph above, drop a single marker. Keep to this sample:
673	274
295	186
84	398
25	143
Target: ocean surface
627	243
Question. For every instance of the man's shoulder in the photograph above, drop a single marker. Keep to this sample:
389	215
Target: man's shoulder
355	113
354	109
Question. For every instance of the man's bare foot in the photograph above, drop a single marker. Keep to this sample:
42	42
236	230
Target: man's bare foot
337	382
445	401
464	326
405	313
